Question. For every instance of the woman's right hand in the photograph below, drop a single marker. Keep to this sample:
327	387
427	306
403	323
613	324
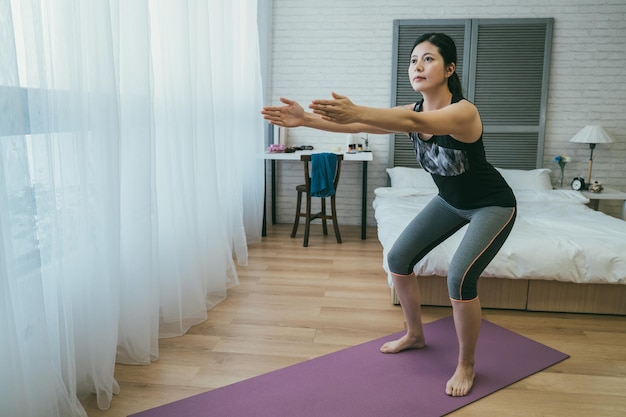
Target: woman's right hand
289	115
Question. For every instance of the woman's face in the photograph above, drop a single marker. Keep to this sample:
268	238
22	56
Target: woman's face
427	68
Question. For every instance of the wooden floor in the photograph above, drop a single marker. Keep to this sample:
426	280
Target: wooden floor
297	303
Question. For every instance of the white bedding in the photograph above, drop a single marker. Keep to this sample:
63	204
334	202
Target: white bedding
555	237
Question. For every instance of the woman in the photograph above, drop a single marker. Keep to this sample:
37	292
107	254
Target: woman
446	131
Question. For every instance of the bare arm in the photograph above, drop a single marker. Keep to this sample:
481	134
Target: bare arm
293	115
459	120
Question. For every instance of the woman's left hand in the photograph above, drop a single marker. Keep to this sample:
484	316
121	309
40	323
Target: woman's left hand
339	110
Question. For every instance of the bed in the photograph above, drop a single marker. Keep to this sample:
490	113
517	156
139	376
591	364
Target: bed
561	255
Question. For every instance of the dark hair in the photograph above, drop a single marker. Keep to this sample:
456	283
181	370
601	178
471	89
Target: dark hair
447	49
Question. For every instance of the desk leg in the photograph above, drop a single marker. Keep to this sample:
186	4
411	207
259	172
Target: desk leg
264	227
273	191
273	185
364	202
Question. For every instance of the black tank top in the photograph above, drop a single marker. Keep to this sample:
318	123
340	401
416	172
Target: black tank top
466	180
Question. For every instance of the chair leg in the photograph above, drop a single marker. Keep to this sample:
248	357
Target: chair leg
324	224
297	221
307	224
333	210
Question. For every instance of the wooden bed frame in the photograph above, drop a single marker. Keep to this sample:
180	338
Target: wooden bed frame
532	295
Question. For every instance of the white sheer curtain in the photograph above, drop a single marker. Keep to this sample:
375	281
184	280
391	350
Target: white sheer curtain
129	184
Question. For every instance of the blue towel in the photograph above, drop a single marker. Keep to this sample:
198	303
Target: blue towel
323	167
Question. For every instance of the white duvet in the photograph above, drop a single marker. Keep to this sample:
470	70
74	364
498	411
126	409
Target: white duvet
555	237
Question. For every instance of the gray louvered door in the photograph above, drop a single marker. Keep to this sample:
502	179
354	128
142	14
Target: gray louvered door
504	66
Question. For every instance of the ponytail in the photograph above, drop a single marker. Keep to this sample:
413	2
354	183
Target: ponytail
454	85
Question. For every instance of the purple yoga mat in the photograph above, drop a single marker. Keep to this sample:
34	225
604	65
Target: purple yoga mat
362	382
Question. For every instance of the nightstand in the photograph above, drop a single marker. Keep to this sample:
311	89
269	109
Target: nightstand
606	194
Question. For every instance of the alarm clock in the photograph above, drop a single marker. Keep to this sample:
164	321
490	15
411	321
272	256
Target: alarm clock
578	184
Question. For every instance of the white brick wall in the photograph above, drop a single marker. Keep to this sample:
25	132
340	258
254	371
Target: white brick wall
346	46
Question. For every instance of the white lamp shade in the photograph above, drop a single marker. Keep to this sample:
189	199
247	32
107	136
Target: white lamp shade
592	134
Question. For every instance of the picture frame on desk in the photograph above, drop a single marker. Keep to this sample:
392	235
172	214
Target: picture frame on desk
280	135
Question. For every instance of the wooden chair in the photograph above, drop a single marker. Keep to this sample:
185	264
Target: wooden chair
308	216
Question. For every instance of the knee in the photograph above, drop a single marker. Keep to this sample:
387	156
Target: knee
462	288
398	263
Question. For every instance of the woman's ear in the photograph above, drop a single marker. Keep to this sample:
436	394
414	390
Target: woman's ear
450	69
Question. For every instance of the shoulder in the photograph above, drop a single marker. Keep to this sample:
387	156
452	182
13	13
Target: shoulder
468	121
463	103
464	110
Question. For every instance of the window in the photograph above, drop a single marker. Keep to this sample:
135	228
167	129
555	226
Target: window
504	67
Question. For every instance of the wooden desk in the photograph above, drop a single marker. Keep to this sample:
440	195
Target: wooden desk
363	157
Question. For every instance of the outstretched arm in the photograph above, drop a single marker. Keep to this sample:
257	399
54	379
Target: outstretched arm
293	115
460	120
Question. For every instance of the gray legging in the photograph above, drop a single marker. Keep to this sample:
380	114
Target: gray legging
488	229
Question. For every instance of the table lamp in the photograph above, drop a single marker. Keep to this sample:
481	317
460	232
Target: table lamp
591	135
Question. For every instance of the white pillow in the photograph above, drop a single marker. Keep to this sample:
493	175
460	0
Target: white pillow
404	177
534	179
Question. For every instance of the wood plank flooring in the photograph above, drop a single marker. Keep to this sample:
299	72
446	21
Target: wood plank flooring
296	303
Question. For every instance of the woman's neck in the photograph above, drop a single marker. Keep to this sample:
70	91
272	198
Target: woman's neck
436	100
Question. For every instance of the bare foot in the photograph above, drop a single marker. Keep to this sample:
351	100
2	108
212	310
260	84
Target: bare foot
462	381
404	343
